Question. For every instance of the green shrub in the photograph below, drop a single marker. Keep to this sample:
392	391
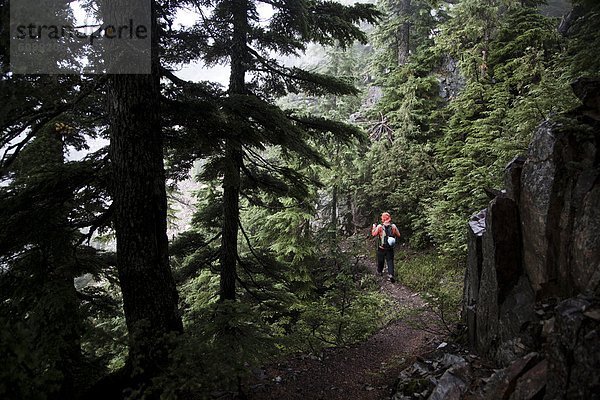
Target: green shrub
439	280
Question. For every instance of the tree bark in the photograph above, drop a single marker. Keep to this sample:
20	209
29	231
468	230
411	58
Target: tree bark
403	37
63	328
231	216
60	327
140	204
233	156
334	211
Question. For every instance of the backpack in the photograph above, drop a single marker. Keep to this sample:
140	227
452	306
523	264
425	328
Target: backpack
388	241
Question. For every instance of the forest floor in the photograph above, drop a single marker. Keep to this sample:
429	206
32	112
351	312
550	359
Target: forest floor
365	371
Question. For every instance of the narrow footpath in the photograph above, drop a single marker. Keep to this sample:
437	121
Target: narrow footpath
365	371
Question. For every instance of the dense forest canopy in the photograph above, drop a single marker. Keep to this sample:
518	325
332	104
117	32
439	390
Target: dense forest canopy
408	106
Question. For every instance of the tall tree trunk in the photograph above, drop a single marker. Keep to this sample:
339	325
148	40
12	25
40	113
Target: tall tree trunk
234	156
334	198
403	38
140	205
64	326
231	215
334	211
57	310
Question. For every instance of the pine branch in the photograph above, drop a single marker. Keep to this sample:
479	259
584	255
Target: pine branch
99	222
315	83
46	116
250	247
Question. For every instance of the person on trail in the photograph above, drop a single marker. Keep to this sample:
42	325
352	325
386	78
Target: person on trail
388	233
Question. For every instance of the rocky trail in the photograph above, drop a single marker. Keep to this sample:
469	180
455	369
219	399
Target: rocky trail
365	371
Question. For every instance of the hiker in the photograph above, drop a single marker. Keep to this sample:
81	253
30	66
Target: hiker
388	233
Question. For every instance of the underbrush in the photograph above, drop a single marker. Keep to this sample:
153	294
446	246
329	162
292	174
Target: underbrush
331	299
350	311
438	280
348	306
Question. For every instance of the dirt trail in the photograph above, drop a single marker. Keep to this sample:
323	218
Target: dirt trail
365	371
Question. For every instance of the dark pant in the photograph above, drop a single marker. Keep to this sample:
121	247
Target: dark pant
385	255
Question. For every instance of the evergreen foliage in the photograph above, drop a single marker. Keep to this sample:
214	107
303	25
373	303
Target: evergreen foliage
259	177
272	263
478	81
39	265
582	34
510	87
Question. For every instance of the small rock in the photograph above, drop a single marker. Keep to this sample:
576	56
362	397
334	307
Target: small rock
531	383
548	326
450	359
502	381
449	387
593	314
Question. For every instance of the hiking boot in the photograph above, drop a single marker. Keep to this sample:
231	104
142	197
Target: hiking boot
379	273
391	278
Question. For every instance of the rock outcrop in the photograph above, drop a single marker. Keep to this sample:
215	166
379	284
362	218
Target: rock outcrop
533	273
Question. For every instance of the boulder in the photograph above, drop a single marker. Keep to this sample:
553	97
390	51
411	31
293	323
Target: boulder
536	206
453	383
512	177
577	242
585	261
517	318
573	350
415	380
503	382
501	269
532	384
559	208
537	244
473	274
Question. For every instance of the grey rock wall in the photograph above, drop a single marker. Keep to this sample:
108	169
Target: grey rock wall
501	268
533	271
559	209
537	179
473	273
573	350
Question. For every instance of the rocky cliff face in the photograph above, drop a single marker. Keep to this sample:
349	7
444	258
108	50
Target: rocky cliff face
533	275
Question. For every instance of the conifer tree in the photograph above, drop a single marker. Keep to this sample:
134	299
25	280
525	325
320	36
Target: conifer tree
481	75
137	187
54	320
138	191
579	27
400	167
256	79
340	201
506	58
45	203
